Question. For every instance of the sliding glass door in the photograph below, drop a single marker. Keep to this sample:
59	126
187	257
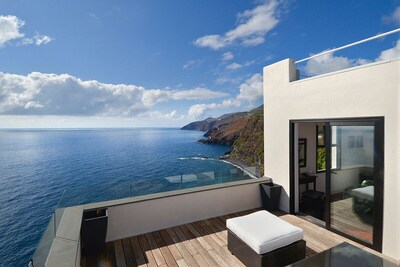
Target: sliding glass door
350	158
354	174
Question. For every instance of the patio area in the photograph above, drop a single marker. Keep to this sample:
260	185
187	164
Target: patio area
202	243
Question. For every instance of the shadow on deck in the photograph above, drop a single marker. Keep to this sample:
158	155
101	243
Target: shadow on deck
202	243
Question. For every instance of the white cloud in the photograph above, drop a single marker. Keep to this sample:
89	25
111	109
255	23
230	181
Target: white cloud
391	53
93	16
151	119
250	91
227	56
226	79
9	29
199	110
51	94
38	40
42	39
329	63
268	58
157	115
393	18
198	93
252	27
233	66
190	64
154	96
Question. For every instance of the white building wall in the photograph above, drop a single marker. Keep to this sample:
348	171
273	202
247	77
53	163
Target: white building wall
150	215
366	91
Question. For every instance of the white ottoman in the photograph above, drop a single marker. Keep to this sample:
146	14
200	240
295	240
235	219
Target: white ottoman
263	239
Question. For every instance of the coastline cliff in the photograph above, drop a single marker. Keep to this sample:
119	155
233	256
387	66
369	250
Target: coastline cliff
244	131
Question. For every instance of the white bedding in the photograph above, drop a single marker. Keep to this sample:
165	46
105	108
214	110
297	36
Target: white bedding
366	193
263	231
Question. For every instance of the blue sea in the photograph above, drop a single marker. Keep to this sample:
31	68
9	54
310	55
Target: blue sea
37	166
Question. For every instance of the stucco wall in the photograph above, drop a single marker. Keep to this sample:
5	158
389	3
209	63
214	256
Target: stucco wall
366	91
150	215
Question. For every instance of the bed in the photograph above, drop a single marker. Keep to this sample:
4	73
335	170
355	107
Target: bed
363	202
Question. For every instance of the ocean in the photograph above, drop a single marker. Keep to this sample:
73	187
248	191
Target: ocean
37	166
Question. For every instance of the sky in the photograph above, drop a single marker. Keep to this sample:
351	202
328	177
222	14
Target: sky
148	63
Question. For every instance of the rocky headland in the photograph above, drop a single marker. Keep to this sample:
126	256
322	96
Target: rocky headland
243	131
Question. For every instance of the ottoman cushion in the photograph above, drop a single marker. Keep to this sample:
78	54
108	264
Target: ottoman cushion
263	231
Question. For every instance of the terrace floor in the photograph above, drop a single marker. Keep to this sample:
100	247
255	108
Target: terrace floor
202	243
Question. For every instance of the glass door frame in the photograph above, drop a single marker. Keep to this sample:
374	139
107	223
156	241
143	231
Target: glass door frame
378	172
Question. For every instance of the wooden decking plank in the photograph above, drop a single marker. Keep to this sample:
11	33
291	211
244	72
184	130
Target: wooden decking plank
169	259
217	257
199	237
192	238
186	241
211	228
226	217
236	261
182	263
155	250
221	222
201	243
224	256
223	231
217	224
171	245
200	260
207	257
119	254
110	255
144	245
180	246
129	257
318	238
207	232
137	252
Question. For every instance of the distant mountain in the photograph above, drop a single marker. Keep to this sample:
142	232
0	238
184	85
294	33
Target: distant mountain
244	131
226	133
204	125
215	123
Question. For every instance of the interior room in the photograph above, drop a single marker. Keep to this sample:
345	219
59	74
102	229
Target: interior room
346	202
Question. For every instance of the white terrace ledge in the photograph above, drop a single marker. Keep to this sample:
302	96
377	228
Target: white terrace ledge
143	214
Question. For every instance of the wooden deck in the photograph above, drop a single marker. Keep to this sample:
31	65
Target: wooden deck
346	220
202	243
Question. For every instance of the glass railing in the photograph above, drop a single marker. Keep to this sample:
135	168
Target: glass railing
42	250
114	191
328	61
